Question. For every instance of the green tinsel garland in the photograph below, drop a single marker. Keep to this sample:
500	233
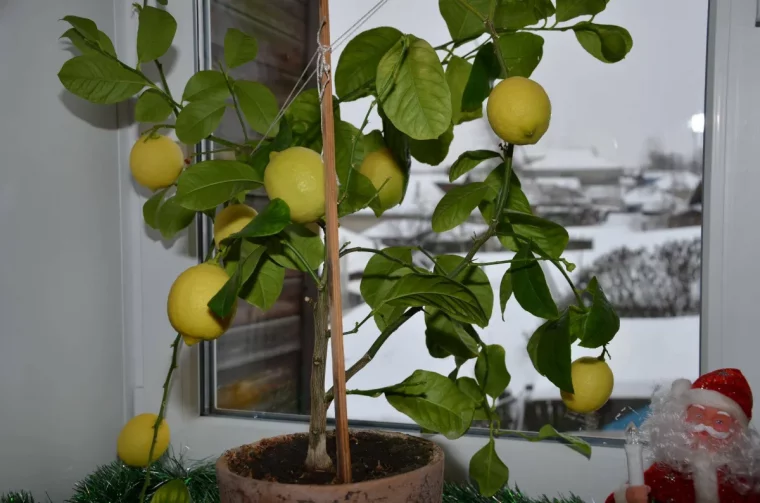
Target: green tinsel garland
467	493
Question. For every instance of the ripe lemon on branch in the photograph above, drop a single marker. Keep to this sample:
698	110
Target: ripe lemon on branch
135	438
231	220
592	382
296	175
519	111
187	305
383	171
156	161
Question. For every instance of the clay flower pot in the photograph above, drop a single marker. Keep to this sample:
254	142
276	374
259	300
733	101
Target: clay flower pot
423	483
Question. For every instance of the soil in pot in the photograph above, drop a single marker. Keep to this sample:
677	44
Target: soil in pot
373	457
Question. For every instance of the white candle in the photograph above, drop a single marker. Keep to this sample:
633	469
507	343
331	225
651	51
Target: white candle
635	456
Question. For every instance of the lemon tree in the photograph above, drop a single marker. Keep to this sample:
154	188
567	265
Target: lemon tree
419	95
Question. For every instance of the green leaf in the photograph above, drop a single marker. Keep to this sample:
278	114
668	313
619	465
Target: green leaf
258	104
607	43
529	285
381	274
345	137
516	14
79	41
468	161
577	444
174	491
265	284
491	370
516	200
106	44
434	402
198	120
456	206
152	107
461	21
505	291
451	297
601	322
239	48
432	152
469	387
549	237
284	138
208	184
172	218
521	51
485	69
206	85
445	337
458	73
398	144
471	276
357	67
550	352
419	101
85	27
359	193
373	142
308	244
163	2
150	208
488	471
304	113
225	299
99	79
155	33
273	219
569	9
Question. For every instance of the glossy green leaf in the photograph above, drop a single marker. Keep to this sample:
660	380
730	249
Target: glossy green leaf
258	104
305	241
172	218
462	22
485	68
432	152
206	85
505	291
488	471
155	33
284	138
521	52
529	285
349	141
208	184
239	48
445	337
264	286
381	273
151	106
99	79
418	101
103	43
470	387
84	26
516	14
451	297
491	370
458	73
274	218
456	206
471	276
434	402
516	199
550	351
600	323
551	238
548	431
569	9
106	44
357	66
373	141
358	194
223	302
304	113
150	208
607	43
174	491
198	120
468	161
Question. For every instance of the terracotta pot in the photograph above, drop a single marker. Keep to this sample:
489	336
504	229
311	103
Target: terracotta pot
423	485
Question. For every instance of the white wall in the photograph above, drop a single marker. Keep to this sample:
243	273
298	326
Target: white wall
61	385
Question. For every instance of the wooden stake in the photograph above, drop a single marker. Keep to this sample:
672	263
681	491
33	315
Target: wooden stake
333	256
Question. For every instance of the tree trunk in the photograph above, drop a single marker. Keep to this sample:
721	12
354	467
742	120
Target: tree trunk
317	458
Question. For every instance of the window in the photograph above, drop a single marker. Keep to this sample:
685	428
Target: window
621	168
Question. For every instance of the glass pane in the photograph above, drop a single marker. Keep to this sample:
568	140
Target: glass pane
620	167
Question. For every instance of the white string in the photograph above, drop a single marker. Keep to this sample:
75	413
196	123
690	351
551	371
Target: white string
321	69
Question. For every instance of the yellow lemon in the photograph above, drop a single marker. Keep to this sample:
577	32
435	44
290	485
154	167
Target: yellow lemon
156	161
230	220
188	308
296	176
519	111
592	382
381	168
190	341
133	445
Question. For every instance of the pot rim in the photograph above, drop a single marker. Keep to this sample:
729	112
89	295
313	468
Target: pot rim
436	458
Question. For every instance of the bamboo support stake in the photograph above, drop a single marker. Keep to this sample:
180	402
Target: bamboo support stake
333	255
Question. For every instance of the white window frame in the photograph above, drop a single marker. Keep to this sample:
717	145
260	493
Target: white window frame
729	275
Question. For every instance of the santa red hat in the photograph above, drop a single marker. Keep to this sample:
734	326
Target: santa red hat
724	389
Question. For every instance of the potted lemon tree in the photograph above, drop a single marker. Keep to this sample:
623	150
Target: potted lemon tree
421	93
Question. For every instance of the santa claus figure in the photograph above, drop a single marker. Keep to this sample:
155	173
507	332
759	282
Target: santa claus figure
703	447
